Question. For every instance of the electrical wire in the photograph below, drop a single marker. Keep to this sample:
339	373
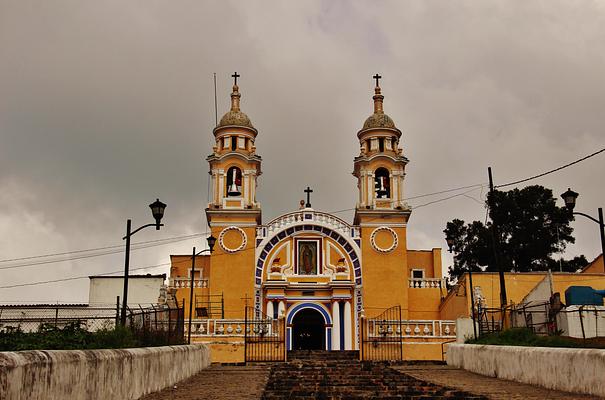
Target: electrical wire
121	246
144	246
551	171
77	277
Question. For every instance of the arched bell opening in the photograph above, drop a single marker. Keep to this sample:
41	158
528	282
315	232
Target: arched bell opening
308	330
382	183
234	182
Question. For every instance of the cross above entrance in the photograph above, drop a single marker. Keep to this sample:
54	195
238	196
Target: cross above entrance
377	77
308	191
235	76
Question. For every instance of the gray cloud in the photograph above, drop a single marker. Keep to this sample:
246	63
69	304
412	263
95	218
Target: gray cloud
107	105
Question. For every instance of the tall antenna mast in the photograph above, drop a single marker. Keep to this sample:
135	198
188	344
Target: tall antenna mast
215	106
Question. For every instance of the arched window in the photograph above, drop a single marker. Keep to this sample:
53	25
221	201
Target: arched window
382	183
234	182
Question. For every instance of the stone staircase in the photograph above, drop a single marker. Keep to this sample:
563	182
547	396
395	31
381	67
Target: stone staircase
324	375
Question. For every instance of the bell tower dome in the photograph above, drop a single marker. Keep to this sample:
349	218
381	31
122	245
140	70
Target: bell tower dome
234	164
380	166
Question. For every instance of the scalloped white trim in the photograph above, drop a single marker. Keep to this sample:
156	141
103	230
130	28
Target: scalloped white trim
222	236
380	249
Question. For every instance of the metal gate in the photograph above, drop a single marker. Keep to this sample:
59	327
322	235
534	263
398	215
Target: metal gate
382	336
264	337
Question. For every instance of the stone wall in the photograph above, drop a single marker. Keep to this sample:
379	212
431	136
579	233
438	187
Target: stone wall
97	374
571	370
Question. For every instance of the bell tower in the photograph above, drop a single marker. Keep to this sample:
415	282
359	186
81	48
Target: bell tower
381	211
233	213
234	164
380	166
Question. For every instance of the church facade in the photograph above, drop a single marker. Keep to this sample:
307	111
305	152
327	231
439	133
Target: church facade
318	272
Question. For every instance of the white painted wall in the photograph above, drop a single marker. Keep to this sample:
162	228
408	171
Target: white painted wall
593	318
141	289
571	370
97	374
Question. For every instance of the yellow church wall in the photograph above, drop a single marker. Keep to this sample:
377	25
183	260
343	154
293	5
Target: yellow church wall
595	267
424	303
233	273
455	305
384	274
518	285
428	260
225	350
429	350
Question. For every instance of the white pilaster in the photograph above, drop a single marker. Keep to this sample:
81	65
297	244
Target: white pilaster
335	326
348	330
220	190
270	309
281	309
246	188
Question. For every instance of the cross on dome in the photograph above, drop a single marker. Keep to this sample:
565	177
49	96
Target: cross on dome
235	76
377	77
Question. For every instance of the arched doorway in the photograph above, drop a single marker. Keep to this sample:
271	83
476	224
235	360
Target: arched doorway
308	330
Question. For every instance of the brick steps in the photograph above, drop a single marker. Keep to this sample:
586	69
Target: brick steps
339	375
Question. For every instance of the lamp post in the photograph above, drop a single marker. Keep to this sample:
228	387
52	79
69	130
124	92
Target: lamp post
211	241
157	210
570	202
450	245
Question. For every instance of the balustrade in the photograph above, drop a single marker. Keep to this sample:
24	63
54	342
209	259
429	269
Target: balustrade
182	283
300	217
426	283
412	328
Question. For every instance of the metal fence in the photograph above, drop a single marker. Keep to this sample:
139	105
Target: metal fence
545	318
146	321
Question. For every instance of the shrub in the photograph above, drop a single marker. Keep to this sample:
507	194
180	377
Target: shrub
526	337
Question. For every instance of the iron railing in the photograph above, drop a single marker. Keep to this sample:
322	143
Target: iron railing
264	337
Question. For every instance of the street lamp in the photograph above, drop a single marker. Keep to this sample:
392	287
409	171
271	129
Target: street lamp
211	242
450	244
570	202
157	210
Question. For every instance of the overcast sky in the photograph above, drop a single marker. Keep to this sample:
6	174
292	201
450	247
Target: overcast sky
105	106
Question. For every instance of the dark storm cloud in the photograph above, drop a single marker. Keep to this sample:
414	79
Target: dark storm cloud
107	105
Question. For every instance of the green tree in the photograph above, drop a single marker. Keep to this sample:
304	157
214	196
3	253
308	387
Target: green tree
532	228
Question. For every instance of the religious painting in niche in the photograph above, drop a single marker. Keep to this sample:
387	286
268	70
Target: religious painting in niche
234	182
307	257
382	184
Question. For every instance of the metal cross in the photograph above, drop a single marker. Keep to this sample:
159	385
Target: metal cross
235	75
377	77
308	191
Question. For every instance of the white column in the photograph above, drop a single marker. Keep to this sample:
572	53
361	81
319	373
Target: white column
220	191
335	326
246	194
370	189
347	322
253	188
270	309
281	309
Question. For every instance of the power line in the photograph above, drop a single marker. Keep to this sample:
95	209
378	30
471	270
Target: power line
477	185
85	256
121	246
77	277
551	171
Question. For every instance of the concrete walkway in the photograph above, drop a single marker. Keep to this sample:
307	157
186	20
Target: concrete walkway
248	382
218	383
493	388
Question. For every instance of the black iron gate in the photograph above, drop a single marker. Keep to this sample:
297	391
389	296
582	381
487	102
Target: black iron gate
382	336
264	337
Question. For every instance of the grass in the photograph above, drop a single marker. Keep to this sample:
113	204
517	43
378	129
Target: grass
74	337
526	337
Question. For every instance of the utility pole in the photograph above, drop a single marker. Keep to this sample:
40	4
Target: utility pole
496	242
